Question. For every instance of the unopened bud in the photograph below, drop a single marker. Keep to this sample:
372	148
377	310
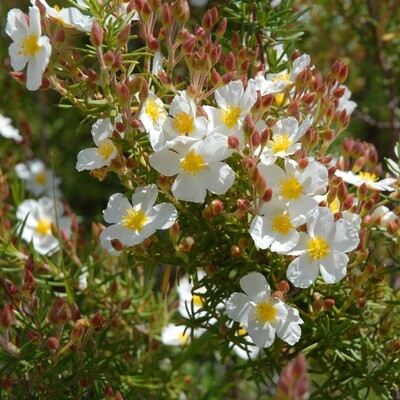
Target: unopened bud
153	43
53	343
233	142
117	245
80	328
243	205
97	321
230	62
267	196
343	73
108	392
96	34
236	251
329	304
216	207
248	125
222	28
255	139
362	191
339	92
180	11
283	286
392	228
341	191
187	244
7	317
308	98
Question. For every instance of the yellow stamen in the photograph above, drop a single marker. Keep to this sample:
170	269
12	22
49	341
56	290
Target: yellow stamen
283	76
368	176
41	178
105	149
153	109
231	115
280	143
134	220
43	226
265	312
317	247
193	163
183	123
281	223
290	188
335	205
29	45
183	337
241	331
198	300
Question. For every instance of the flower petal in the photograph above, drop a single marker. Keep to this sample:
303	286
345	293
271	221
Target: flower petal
256	287
303	271
238	307
189	188
218	177
334	267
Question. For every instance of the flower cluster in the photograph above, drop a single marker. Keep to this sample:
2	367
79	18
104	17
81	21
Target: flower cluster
234	157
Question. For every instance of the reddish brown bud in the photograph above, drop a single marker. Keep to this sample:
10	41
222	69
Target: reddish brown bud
166	17
18	76
230	62
124	35
339	92
97	321
329	304
7	317
227	77
153	43
117	245
235	41
180	11
222	28
342	191
392	228
60	312
215	77
248	163
255	139
108	392
362	191
343	73
216	207
243	205
75	313
96	34
236	251
233	142
187	244
308	98
267	196
283	286
53	343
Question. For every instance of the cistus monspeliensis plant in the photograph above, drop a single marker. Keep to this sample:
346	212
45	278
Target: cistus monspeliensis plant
243	255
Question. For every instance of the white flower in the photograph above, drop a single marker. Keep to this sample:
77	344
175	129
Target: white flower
295	186
188	300
39	215
322	249
178	335
370	179
38	179
8	131
382	215
153	116
262	316
136	221
345	103
275	228
28	46
286	134
251	351
198	166
158	60
234	103
69	17
104	153
276	83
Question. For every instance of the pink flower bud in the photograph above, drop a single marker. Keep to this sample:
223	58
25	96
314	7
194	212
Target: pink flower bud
222	28
233	142
96	34
243	204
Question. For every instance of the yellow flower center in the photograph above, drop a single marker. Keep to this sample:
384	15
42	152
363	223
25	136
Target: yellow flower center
265	312
105	149
231	115
241	331
154	110
193	163
41	178
134	220
335	205
281	223
317	247
198	300
183	337
279	98
368	176
280	143
183	123
283	76
290	188
29	45
43	227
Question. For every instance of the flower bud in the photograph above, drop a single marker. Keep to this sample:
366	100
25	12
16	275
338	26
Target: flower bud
236	251
53	343
329	304
117	245
343	73
392	228
108	392
308	98
96	34
235	42
248	163
267	196
339	92
283	286
166	16
180	11
153	44
233	142
243	205
7	317
80	328
362	191
342	191
230	62
187	244
222	28
216	207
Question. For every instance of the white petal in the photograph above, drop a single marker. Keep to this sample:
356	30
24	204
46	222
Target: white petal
283	244
166	216
238	307
346	236
101	129
256	287
166	162
89	159
334	267
287	125
262	335
145	197
189	188
36	67
259	230
218	177
17	60
116	208
302	271
314	179
321	223
17	25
